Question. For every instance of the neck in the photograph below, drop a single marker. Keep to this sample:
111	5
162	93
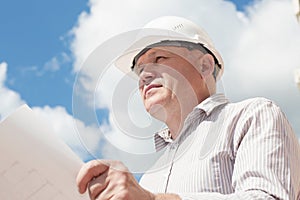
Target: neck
176	117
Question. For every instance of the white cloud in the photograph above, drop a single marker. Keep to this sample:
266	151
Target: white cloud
260	47
3	69
265	57
52	65
84	140
267	51
10	100
55	63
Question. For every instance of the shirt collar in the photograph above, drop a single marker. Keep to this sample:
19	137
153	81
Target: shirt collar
163	137
212	102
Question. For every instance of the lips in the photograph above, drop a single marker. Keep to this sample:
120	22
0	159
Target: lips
149	87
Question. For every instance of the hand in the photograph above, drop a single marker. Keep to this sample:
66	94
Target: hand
106	179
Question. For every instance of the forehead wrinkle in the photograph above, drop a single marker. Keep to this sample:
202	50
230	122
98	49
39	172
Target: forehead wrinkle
170	50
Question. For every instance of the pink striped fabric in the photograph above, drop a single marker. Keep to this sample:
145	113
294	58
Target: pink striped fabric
244	150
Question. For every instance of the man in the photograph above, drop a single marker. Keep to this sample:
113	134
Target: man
212	149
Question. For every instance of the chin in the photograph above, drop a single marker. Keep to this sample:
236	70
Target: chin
157	111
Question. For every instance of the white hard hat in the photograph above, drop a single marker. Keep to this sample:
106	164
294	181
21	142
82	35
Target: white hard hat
168	28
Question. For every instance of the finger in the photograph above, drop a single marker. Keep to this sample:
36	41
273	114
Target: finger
88	172
117	184
107	193
98	185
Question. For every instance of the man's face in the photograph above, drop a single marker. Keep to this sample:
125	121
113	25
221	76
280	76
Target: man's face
168	76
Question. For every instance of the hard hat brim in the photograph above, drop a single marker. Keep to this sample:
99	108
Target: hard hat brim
124	61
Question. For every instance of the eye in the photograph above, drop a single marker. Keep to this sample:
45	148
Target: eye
141	84
141	69
138	70
159	58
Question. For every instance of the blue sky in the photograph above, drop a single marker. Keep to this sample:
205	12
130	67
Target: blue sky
32	33
42	44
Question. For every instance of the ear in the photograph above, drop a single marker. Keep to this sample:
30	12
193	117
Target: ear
207	64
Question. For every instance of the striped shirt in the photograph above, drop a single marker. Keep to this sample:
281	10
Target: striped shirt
244	150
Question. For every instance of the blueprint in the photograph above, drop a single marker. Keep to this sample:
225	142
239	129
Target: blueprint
34	163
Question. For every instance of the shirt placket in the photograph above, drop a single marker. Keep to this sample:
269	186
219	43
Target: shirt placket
192	122
173	147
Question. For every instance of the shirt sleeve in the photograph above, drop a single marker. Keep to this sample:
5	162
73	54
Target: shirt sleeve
267	157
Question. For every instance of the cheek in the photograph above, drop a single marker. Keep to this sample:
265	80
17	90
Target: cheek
160	97
173	85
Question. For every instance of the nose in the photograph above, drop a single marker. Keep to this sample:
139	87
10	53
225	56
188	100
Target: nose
146	76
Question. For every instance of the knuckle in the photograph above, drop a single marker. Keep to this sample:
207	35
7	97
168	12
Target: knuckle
93	163
122	182
119	177
88	166
94	191
124	195
118	165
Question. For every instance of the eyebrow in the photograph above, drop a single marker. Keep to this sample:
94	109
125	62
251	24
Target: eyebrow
152	54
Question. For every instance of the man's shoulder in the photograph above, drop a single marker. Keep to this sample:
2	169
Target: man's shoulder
255	101
253	105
